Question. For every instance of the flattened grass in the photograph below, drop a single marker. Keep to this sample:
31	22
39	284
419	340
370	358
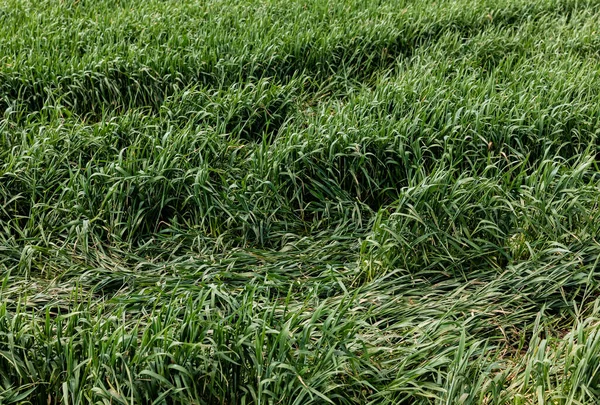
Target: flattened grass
299	202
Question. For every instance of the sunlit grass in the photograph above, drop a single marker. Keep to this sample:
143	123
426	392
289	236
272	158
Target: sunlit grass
293	202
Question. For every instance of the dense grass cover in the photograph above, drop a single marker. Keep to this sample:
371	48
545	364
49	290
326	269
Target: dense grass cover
299	201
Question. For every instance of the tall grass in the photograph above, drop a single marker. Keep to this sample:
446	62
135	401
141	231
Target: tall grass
293	202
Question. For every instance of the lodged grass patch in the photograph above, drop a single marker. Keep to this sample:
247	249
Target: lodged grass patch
269	202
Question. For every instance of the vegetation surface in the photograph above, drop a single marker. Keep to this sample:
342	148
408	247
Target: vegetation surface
299	201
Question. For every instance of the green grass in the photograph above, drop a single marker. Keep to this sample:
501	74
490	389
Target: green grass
304	201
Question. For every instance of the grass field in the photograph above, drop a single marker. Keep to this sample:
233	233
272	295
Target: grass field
299	202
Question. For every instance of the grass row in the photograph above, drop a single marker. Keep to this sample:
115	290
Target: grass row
139	54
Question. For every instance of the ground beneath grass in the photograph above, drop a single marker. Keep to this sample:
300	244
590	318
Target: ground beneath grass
299	202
